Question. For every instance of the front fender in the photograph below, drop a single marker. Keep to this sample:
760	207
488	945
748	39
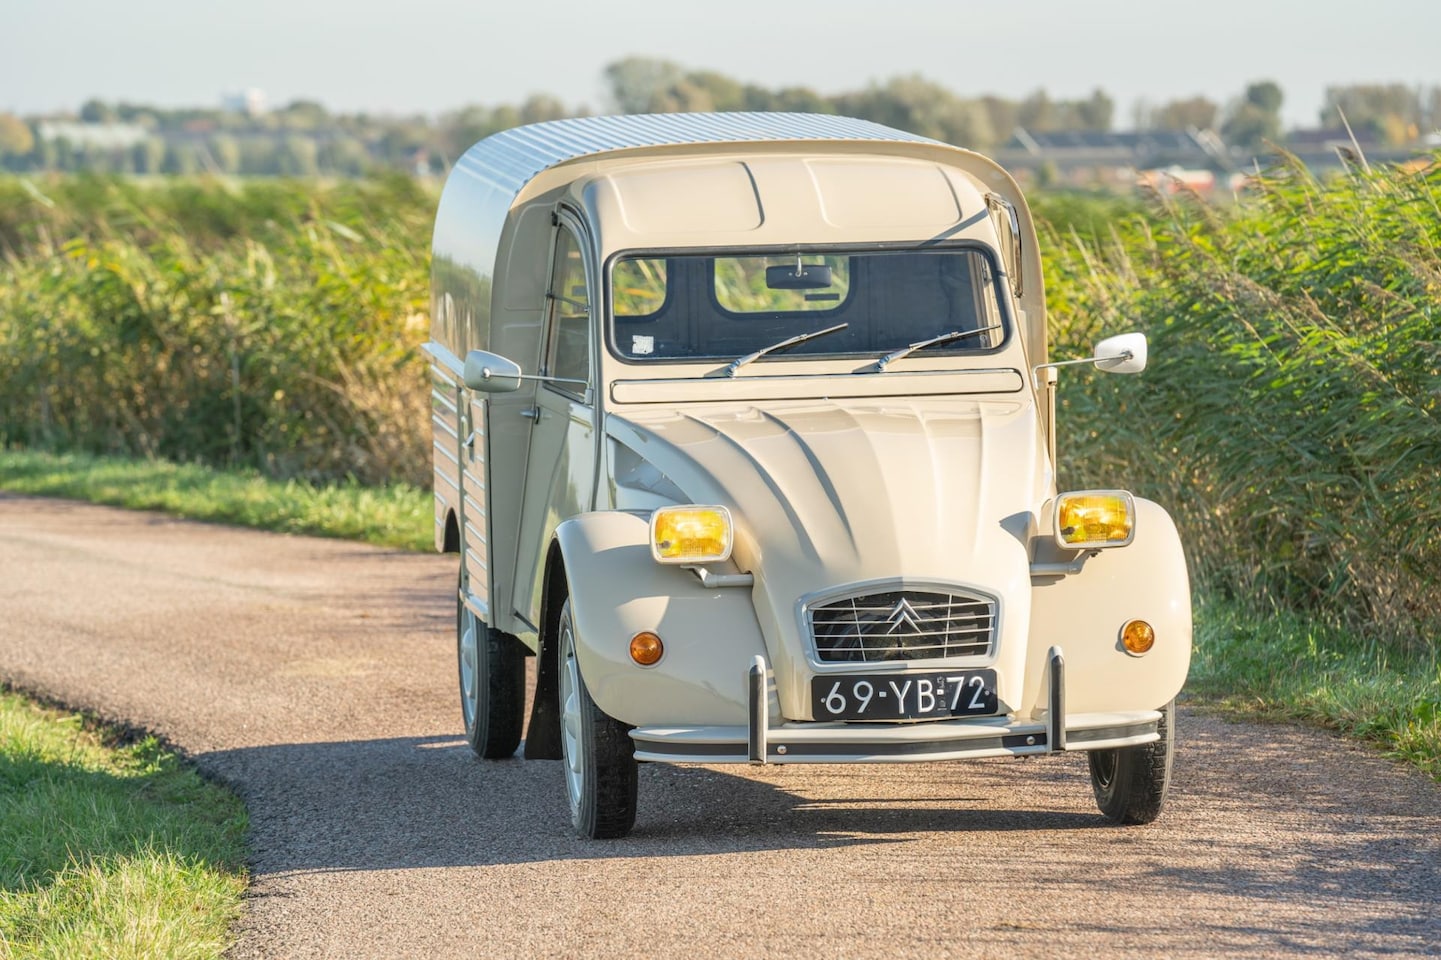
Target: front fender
617	590
1083	614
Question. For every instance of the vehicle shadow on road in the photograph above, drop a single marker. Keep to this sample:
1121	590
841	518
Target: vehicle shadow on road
1282	827
429	802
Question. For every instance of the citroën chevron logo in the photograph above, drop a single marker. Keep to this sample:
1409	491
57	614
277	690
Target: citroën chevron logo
903	615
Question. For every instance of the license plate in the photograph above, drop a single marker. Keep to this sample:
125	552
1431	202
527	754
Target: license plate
904	696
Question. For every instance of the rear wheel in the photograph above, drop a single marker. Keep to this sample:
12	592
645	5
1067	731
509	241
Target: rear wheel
598	753
1131	782
492	685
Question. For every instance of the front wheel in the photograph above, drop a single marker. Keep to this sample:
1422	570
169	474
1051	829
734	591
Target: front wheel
492	685
598	753
1131	782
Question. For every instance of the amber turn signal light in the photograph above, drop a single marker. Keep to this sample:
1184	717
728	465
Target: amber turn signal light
1137	636
646	649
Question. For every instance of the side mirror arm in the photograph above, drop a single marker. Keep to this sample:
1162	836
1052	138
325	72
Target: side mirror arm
488	372
1124	353
1035	371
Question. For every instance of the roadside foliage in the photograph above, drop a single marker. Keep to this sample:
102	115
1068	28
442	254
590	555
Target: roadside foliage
270	324
1291	414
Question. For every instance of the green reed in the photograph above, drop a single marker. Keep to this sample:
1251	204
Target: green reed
1289	416
271	325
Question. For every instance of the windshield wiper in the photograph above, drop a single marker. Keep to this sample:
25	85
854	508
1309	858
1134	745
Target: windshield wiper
739	362
885	361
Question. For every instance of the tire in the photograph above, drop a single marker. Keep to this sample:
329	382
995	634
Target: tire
597	752
1131	782
491	668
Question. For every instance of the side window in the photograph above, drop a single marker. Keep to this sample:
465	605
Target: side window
1008	231
568	354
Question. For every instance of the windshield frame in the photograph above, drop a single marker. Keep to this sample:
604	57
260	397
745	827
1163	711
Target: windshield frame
998	282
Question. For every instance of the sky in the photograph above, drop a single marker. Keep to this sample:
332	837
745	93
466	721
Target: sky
430	56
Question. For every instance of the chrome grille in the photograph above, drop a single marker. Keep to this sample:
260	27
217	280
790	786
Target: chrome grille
903	625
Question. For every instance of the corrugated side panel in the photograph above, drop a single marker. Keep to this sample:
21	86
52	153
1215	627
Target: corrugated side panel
472	489
445	448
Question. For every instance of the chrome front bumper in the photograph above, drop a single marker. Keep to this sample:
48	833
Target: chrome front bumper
819	742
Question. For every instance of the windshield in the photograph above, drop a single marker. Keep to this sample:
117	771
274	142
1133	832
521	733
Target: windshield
714	307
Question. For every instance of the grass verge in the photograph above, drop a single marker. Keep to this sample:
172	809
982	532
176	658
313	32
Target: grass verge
113	849
1282	666
394	516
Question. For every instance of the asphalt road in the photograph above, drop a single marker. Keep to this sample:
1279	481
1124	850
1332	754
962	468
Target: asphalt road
317	677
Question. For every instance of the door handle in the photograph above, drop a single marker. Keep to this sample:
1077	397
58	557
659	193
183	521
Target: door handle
531	413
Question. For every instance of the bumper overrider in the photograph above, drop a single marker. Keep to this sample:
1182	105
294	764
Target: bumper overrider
828	742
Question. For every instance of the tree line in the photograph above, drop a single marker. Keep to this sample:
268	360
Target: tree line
303	138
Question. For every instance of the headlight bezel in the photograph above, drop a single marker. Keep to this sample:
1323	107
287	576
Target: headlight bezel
1121	498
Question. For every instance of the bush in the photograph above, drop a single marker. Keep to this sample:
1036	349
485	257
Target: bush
1290	415
273	326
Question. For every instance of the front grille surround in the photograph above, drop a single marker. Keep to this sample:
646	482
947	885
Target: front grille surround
895	623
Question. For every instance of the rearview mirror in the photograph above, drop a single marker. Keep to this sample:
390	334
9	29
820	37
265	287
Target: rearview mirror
1124	353
813	276
490	372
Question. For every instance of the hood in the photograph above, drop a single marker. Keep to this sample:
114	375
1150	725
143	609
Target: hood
827	493
864	489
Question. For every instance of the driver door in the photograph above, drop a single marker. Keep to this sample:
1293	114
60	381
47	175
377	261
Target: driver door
560	469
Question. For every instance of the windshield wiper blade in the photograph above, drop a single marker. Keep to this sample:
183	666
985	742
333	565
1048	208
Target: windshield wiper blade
885	361
739	362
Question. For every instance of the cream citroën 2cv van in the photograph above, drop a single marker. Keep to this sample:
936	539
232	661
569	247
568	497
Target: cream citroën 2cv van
745	428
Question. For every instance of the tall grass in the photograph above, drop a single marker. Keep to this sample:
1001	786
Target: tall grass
1291	414
271	326
1289	666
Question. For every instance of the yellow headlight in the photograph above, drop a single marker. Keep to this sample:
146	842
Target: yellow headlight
691	534
1091	519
